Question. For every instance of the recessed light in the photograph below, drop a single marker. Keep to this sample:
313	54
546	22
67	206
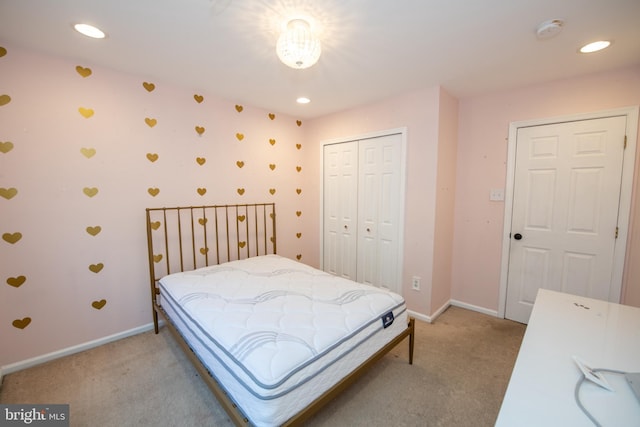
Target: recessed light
89	31
595	46
303	100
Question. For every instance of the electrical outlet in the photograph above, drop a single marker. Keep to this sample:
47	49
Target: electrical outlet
415	283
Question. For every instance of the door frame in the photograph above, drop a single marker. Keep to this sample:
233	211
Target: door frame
402	131
626	193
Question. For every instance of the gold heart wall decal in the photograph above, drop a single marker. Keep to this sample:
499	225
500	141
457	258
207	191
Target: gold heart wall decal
16	282
202	221
299	123
272	191
99	304
88	152
94	231
240	163
204	251
298	146
272	116
5	147
241	191
86	112
200	160
155	225
4	100
298	235
90	191
198	98
149	86
3	51
298	213
8	193
239	108
151	122
84	72
298	190
240	136
96	268
272	166
272	141
242	244
12	237
299	257
21	323
153	191
241	218
298	168
202	191
199	130
157	258
152	157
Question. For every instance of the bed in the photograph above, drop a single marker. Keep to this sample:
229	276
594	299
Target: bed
273	338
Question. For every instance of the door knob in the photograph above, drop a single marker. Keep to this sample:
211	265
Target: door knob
517	236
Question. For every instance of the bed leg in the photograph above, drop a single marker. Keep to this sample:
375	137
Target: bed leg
412	323
155	320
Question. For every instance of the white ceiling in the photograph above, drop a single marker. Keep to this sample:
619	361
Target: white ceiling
372	49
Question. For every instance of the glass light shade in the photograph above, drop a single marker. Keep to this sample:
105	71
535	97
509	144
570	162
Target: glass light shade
298	47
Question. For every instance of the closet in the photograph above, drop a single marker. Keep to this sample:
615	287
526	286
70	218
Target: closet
363	200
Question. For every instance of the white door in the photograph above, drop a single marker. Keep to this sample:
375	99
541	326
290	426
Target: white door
379	211
340	208
566	197
362	210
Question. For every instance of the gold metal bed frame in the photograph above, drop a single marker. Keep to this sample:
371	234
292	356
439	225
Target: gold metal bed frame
185	238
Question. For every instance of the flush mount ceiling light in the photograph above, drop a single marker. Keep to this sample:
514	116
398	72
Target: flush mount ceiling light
89	31
303	100
298	47
595	46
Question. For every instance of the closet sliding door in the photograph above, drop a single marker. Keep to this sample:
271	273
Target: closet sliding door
362	208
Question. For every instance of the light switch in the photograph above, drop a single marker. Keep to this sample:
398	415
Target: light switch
496	194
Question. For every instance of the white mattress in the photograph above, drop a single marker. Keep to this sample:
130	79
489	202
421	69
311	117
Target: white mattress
277	333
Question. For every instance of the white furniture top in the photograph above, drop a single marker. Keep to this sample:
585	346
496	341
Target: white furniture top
541	389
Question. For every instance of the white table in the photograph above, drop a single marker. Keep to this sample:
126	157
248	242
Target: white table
541	389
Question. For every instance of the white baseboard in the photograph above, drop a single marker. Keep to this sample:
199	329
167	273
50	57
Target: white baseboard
472	307
419	316
24	364
429	319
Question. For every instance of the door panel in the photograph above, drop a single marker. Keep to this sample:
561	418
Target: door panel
565	205
380	168
340	209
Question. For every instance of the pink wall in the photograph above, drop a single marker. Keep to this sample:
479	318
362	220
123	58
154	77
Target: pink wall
445	201
482	153
50	153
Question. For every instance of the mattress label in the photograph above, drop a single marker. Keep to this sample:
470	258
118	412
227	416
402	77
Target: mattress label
387	319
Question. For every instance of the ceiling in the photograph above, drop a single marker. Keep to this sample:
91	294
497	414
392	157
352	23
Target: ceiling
372	49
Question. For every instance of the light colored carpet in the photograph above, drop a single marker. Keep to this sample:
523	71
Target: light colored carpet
461	369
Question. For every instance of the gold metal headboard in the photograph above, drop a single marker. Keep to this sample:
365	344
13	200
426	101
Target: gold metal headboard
186	238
